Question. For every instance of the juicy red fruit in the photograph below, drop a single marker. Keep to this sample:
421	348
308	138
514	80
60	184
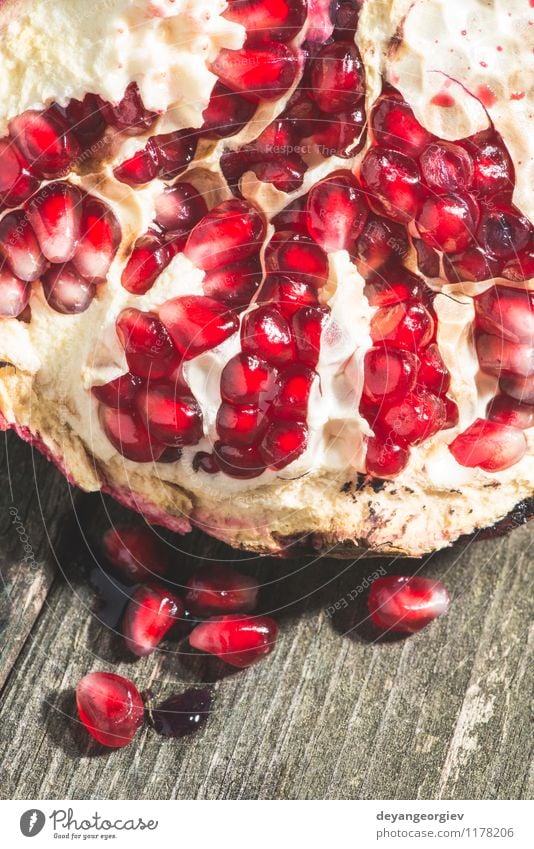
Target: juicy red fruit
393	184
230	233
260	73
55	214
238	640
14	294
17	184
197	324
66	291
147	344
129	115
389	373
279	20
148	259
489	445
414	418
19	247
298	257
110	707
100	237
284	442
406	604
448	222
45	142
337	212
217	588
170	418
128	435
136	552
407	326
150	614
246	379
267	334
394	125
337	78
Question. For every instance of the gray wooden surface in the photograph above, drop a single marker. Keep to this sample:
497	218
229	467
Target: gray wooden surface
333	713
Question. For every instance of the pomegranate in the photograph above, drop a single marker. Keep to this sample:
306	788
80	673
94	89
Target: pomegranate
151	612
110	707
238	640
406	605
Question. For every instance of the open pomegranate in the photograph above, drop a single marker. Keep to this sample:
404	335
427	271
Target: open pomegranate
266	268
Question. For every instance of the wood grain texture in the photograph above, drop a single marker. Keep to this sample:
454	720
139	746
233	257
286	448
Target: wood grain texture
333	713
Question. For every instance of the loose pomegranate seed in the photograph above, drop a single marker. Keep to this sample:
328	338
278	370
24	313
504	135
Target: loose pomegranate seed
235	284
499	356
416	417
337	77
119	393
406	605
136	552
433	373
170	418
337	212
393	183
236	639
309	324
184	714
447	222
238	461
128	435
491	446
180	207
226	114
394	125
507	411
298	257
148	259
520	268
240	425
389	373
287	294
267	334
150	614
216	588
503	231
246	379
446	167
384	459
19	247
147	345
204	462
129	116
66	291
55	214
17	184
473	265
174	152
427	259
110	707
100	237
230	233
381	242
85	120
197	324
283	443
45	142
407	325
293	393
493	168
397	285
266	20
259	73
140	168
14	294
519	388
506	313
343	137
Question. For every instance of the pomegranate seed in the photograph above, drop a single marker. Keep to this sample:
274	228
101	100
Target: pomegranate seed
226	113
452	413
197	324
298	257
45	142
202	461
136	552
19	247
246	379
337	212
129	116
292	217
147	345
110	707
150	614
140	168
491	446
267	334
180	207
433	373
66	291
266	20
184	714
520	268
399	285
55	214
236	639
85	120
286	174
346	19
128	435
238	461
337	77
519	388
415	418
507	411
407	325
300	113
308	326
343	137
507	313
119	393
240	425
446	167
473	265
216	588
394	125
235	284
174	152
320	23
406	605
499	356
427	259
16	182
493	168
293	393
287	294
260	73
503	231
283	443
230	233
389	373
170	418
447	222
99	240
14	294
148	259
393	183
381	242
384	459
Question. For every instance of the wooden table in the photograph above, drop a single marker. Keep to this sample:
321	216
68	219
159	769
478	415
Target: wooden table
331	714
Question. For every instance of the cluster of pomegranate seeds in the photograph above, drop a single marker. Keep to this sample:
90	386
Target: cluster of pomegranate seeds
406	605
110	707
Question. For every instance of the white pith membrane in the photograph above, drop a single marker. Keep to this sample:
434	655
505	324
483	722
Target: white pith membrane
56	359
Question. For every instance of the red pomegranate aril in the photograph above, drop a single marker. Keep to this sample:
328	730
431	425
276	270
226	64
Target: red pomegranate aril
197	324
394	125
100	237
284	442
85	120
385	459
519	388
19	247
320	23
235	284
452	413
493	168
490	446
500	356
238	640
66	291
217	588
298	257
446	167
393	184
170	418
110	708
506	313
16	182
406	604
45	141
150	614
433	373
267	334
55	214
119	393
415	418
293	390
447	222
507	411
337	77
240	425
129	116
238	461
205	462
343	137
308	325
381	242
337	212
389	373
128	435
180	207
264	20
259	73
148	259
408	326
230	233
472	265
136	552
393	285
141	168
147	344
520	268
286	173
246	379
226	114
14	294
427	259
174	152
287	294
300	113
346	19
503	231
